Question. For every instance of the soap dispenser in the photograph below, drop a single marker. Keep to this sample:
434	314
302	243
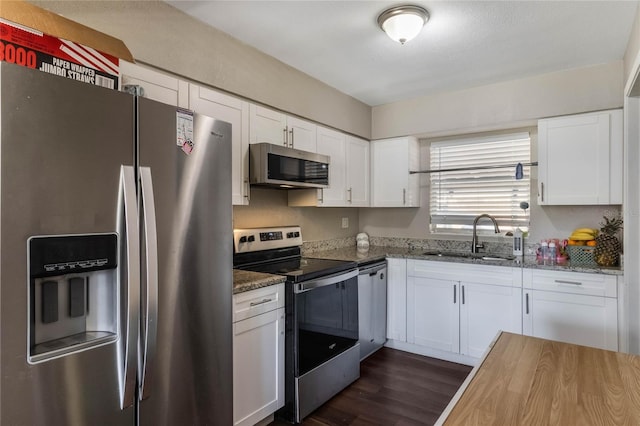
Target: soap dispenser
518	242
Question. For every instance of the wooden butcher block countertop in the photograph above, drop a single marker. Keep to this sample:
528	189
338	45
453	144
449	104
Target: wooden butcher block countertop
529	381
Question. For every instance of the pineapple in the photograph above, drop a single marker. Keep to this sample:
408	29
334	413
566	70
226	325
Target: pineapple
608	247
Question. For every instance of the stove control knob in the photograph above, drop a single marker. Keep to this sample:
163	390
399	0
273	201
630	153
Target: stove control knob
296	234
252	238
243	239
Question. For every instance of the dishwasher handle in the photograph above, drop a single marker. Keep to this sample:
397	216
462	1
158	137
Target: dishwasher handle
372	270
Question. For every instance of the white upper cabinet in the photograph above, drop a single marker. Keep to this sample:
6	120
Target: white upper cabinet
348	173
301	134
277	128
333	144
357	169
235	111
580	159
157	86
391	183
267	125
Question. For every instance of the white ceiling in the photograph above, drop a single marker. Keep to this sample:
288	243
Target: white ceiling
464	44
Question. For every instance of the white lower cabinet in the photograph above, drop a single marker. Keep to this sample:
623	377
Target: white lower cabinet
571	307
485	309
258	354
397	299
460	308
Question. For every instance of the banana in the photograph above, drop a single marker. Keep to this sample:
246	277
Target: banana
581	236
585	230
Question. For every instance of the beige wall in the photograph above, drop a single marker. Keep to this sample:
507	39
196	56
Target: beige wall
515	105
502	105
269	208
546	221
162	36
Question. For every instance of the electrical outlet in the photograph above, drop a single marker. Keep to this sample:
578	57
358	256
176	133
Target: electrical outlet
345	222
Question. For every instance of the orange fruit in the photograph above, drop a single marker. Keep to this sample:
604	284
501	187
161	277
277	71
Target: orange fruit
591	243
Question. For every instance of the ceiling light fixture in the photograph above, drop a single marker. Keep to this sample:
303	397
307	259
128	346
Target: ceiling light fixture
403	23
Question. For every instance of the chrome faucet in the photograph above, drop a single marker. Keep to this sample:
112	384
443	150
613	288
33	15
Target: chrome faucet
474	240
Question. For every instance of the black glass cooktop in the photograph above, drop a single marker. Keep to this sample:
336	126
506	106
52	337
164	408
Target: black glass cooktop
300	268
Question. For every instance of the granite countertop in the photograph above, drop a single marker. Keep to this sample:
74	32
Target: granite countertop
376	253
249	280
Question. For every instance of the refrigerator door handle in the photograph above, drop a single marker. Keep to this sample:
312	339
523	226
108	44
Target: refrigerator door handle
150	320
129	311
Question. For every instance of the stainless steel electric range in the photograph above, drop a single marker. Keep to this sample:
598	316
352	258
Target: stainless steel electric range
322	354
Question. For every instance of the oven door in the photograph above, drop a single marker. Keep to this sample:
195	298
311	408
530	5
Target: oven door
326	339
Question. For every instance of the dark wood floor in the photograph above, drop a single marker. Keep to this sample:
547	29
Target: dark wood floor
395	388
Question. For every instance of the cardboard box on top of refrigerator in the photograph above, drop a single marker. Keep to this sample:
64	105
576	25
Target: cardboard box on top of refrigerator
36	38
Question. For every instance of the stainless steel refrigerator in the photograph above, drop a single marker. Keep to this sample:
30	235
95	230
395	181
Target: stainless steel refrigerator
115	258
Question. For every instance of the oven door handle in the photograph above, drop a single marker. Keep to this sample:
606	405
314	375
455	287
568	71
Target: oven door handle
324	281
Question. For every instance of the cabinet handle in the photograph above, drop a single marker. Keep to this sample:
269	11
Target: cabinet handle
263	301
404	196
291	133
350	191
455	290
247	189
286	135
568	282
321	195
527	303
462	293
542	191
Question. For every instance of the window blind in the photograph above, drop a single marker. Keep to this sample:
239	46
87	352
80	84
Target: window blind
457	197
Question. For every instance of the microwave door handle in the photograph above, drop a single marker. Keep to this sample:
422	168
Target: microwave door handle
129	311
150	323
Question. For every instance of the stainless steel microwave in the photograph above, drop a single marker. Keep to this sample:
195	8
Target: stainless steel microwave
279	166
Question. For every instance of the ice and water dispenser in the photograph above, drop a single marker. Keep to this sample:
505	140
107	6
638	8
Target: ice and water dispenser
73	293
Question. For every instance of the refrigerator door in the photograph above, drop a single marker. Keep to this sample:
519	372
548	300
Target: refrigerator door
189	379
62	146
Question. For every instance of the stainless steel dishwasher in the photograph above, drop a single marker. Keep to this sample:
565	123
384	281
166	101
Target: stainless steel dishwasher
372	307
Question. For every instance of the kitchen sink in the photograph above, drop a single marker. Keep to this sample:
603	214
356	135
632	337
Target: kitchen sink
479	256
497	258
446	254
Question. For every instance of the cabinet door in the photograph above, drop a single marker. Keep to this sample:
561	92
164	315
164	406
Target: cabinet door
572	318
397	299
357	169
302	134
333	144
433	313
485	310
157	86
580	159
267	125
236	112
391	184
258	367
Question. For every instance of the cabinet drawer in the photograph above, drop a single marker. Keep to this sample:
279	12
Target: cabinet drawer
571	282
488	274
256	302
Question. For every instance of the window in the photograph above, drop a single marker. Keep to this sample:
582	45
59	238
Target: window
475	185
